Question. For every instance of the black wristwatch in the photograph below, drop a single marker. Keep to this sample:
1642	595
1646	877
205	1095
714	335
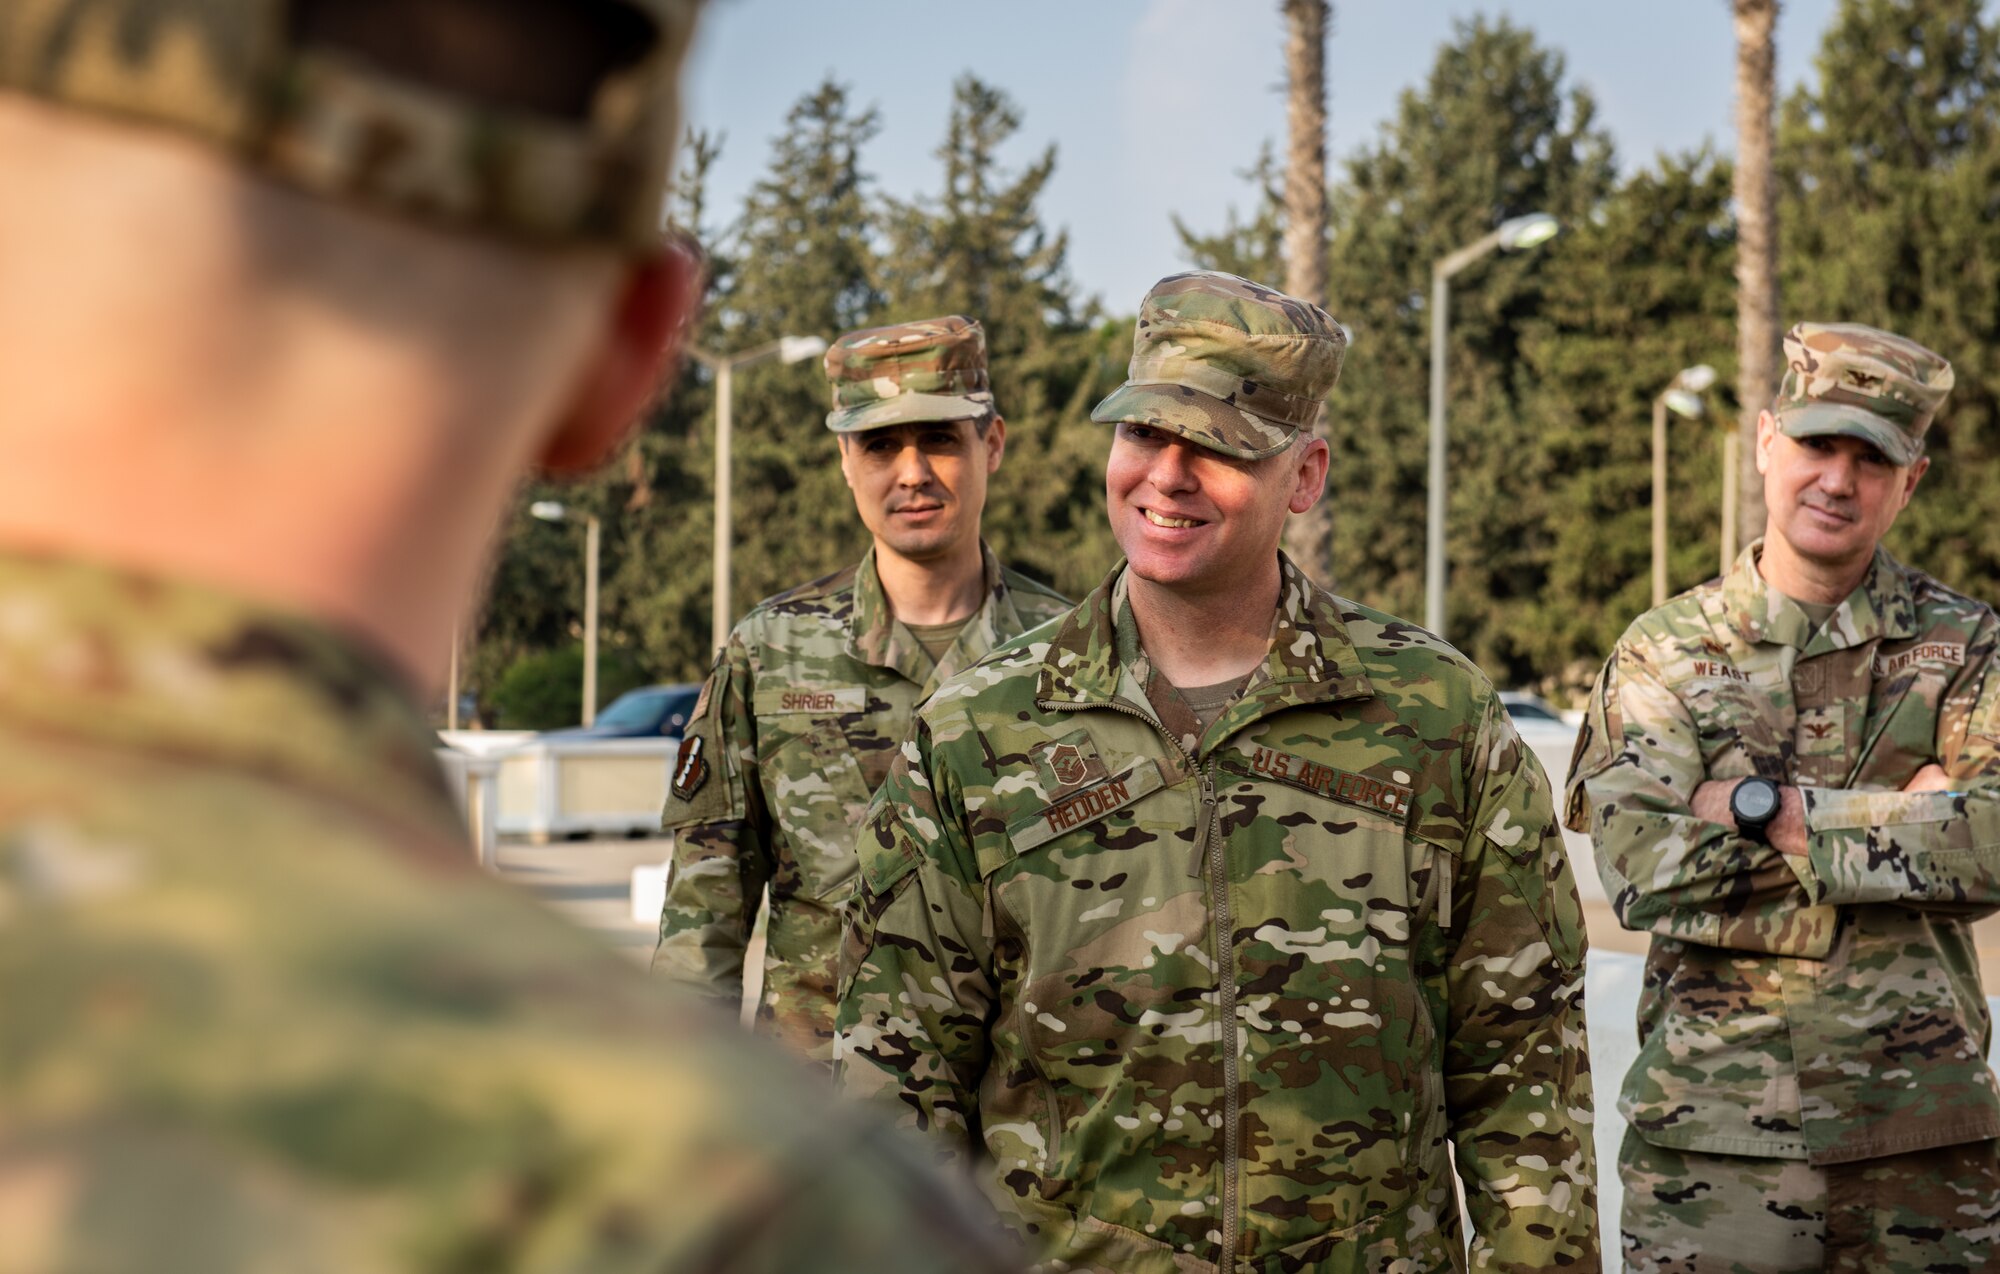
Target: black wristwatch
1754	804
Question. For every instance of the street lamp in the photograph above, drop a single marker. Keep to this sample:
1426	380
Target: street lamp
789	349
552	511
1682	396
1513	235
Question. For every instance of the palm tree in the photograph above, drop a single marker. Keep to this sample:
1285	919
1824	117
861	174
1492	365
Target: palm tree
1309	538
1757	330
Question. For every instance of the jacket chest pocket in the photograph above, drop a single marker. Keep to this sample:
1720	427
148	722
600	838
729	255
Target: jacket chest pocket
1096	912
1322	864
1740	727
812	783
1331	897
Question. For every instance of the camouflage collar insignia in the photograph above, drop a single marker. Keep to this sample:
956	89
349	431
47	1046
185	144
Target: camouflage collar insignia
1882	608
1093	654
131	660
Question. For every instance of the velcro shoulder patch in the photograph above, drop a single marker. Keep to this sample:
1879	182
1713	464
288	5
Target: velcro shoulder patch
818	701
690	768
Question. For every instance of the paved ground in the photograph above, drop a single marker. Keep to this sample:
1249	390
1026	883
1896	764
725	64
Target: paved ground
590	881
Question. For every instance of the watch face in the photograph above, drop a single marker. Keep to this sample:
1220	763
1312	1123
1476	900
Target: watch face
1756	800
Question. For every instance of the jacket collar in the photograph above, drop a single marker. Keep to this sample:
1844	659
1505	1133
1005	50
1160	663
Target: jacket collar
876	637
1882	608
1096	659
170	668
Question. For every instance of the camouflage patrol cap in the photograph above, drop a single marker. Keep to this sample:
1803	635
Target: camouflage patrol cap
1228	364
1844	378
240	74
932	369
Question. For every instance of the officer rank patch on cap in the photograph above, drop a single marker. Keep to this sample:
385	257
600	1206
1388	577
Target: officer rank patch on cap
690	768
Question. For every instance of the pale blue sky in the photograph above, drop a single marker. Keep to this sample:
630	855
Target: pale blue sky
1156	105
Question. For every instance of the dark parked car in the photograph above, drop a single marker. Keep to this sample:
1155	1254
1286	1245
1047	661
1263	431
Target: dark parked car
649	713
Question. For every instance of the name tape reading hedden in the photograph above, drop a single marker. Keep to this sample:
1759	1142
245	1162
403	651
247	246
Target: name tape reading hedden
1943	652
1088	804
1338	785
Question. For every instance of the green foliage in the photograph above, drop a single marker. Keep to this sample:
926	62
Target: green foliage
1890	208
814	251
1890	214
544	691
1640	290
1493	133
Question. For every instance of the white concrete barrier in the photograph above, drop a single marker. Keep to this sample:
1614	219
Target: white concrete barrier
474	782
550	788
485	742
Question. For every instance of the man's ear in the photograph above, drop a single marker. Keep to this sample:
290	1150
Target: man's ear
1767	429
1918	468
1309	467
635	362
996	443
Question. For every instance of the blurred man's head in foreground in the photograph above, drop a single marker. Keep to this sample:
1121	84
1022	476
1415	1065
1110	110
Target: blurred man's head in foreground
298	291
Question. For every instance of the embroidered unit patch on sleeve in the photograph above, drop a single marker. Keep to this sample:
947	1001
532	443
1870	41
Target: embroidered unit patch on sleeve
690	768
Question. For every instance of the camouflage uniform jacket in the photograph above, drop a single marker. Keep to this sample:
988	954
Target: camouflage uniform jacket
1220	1004
1825	1007
260	1011
798	723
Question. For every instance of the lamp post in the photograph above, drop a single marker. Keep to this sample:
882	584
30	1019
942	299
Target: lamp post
551	511
1512	235
1682	396
789	349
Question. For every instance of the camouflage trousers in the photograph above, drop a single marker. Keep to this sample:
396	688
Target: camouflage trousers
1933	1211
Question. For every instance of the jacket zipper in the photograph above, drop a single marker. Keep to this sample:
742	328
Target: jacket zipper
1225	963
1228	1038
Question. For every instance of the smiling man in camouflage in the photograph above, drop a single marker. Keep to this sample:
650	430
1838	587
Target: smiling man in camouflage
1792	775
1208	917
796	726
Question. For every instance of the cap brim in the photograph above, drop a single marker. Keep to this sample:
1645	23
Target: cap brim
1818	420
909	409
1201	418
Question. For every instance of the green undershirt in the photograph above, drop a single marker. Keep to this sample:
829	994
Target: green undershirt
1208	702
937	638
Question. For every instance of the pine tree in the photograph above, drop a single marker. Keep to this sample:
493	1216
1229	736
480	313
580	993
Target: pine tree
1889	170
1638	292
979	247
1494	132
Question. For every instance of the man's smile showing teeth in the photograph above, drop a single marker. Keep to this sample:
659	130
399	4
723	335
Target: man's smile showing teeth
1161	520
